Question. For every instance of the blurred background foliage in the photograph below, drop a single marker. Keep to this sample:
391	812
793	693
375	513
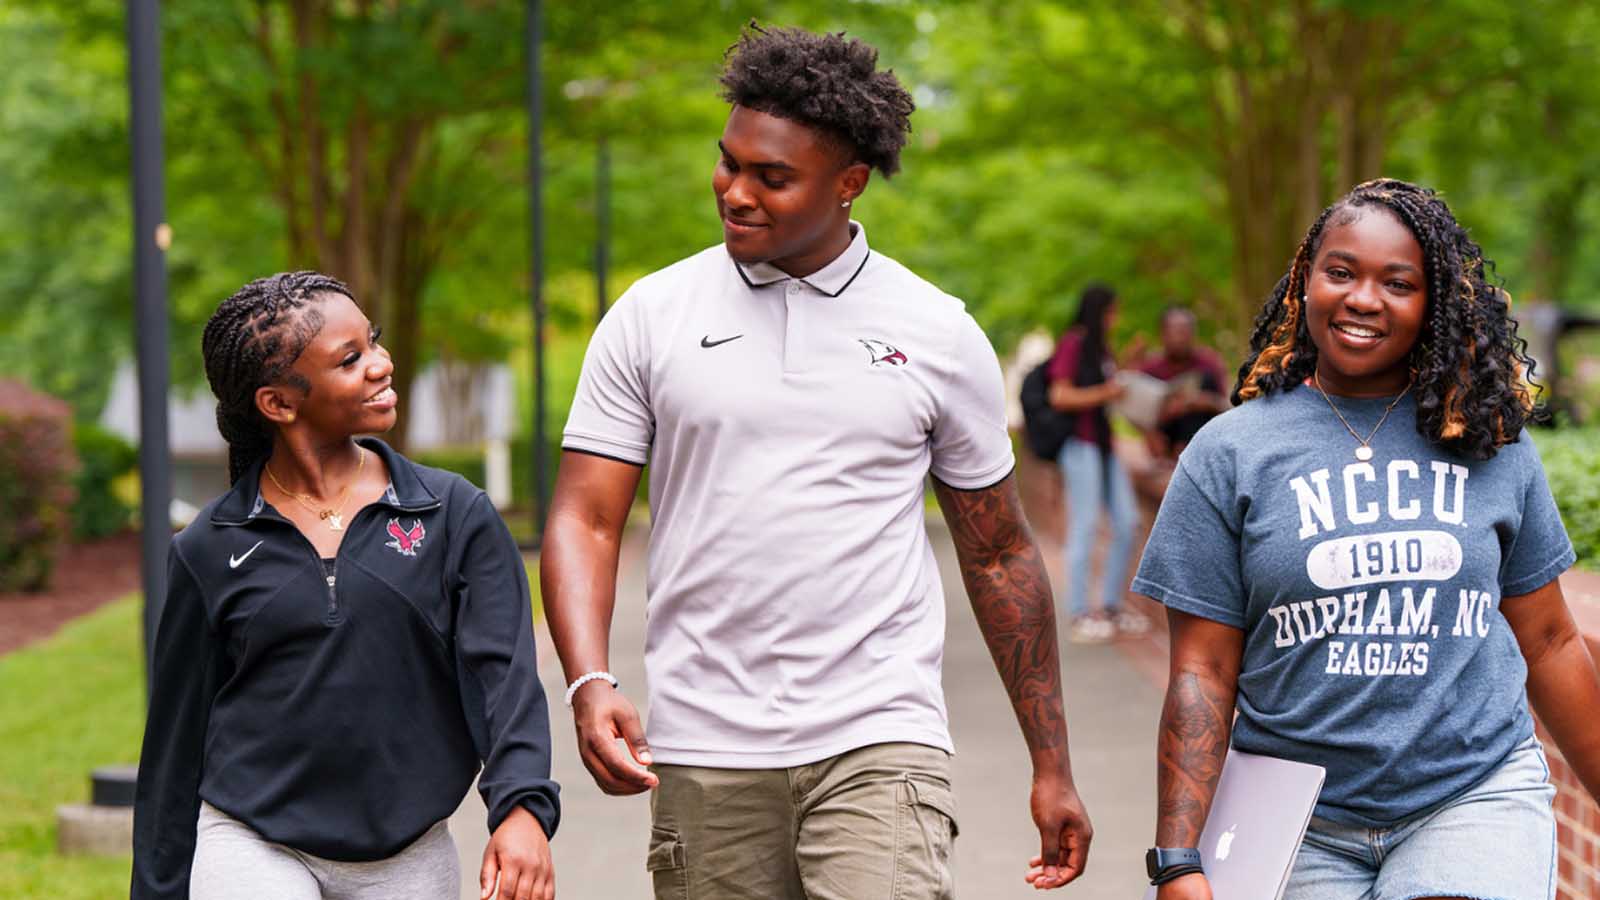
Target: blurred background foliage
1176	148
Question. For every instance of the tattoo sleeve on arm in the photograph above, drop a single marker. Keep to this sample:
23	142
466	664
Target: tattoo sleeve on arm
1010	593
1193	745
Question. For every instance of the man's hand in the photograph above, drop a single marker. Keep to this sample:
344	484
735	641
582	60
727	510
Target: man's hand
516	864
602	716
1064	832
1010	593
1189	887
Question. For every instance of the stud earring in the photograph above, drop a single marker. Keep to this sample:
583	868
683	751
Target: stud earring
844	204
291	417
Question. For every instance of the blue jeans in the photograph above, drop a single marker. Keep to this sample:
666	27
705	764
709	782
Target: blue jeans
1095	481
1496	841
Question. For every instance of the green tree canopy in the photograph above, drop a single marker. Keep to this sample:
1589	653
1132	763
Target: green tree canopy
1175	148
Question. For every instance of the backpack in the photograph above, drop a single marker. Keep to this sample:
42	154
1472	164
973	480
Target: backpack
1045	429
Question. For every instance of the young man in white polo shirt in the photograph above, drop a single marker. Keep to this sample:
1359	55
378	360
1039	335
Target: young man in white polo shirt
791	390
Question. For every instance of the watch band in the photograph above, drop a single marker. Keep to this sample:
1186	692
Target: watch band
1174	873
1163	864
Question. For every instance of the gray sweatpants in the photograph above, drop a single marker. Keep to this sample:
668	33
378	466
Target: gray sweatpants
233	862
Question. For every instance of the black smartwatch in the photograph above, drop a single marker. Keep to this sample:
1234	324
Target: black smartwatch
1163	864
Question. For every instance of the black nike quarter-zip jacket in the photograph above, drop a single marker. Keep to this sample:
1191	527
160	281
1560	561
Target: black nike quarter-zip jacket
341	719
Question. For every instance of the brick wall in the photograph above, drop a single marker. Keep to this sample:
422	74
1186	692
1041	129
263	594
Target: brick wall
1577	817
1577	831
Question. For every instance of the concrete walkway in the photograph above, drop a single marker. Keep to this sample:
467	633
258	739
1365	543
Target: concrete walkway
1113	701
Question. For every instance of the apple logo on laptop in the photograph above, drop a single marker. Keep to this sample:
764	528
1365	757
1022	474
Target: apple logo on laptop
1225	843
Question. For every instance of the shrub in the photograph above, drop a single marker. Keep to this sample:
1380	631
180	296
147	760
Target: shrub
522	472
468	463
103	458
464	461
1573	468
522	466
37	465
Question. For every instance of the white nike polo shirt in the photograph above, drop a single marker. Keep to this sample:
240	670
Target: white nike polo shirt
794	607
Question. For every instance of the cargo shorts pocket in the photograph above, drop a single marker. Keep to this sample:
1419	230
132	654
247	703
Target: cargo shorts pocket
924	836
668	865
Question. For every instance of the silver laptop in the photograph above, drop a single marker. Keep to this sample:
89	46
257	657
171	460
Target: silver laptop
1257	821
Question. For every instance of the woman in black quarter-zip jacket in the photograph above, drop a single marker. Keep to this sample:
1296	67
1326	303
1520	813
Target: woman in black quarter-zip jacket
347	637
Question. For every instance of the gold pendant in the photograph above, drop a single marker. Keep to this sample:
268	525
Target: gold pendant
335	521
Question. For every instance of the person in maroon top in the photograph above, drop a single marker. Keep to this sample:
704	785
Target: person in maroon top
1200	397
1081	384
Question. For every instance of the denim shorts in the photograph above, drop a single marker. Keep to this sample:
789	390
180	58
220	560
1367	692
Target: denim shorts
1495	841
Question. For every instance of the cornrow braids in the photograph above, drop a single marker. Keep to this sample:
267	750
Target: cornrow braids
1468	366
251	342
826	82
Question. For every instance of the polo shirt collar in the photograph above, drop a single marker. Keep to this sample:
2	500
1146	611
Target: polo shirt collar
831	279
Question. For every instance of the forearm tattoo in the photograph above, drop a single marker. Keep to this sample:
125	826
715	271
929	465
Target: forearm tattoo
1010	593
1192	746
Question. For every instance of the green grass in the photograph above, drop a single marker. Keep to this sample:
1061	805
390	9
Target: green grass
70	704
531	563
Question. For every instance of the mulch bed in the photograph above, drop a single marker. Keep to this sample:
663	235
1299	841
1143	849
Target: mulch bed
88	576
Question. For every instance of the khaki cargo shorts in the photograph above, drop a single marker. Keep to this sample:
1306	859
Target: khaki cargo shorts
875	822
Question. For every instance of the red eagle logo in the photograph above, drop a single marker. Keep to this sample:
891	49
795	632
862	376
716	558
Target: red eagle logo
883	353
406	541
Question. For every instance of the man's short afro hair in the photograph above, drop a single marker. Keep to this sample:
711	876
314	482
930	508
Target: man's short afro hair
823	81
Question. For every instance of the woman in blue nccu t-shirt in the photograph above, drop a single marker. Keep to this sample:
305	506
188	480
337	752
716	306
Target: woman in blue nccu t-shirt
1360	559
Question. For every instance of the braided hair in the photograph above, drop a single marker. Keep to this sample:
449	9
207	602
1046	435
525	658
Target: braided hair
251	342
1468	364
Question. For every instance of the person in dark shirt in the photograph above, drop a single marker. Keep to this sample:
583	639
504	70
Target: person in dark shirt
347	637
1082	385
1198	395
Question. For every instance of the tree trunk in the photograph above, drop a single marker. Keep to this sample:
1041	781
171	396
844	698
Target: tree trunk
1271	136
1555	239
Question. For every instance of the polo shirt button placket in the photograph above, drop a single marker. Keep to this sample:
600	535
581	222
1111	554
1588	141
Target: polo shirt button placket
794	328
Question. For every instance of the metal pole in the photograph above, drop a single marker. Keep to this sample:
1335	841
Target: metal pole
602	216
534	39
151	237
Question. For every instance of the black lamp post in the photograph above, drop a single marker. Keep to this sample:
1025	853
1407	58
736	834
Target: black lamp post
536	240
99	826
151	237
602	215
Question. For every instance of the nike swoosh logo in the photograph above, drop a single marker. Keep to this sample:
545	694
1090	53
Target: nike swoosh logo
234	561
708	342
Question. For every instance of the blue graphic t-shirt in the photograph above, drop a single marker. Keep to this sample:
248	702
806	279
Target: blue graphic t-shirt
1369	592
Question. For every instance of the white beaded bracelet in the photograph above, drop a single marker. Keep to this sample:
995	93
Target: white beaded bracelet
585	679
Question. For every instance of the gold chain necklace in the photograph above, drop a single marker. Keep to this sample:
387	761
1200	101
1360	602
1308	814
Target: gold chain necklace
1363	452
333	515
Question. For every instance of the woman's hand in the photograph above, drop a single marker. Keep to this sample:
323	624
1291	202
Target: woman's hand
1068	397
517	864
